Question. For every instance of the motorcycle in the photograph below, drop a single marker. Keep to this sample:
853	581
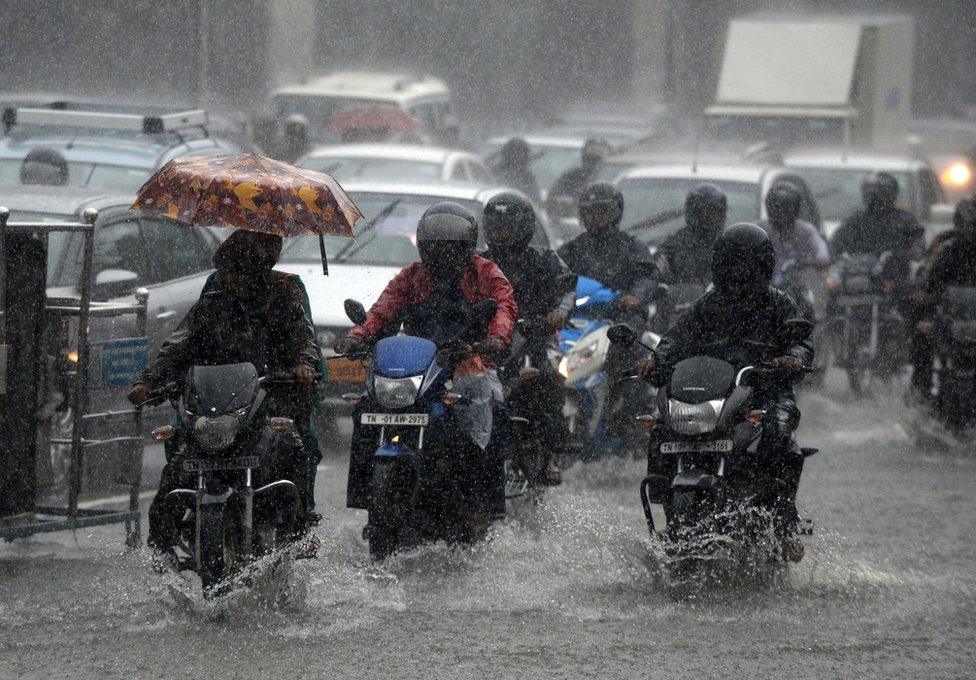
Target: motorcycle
586	348
428	477
245	499
955	328
702	464
864	325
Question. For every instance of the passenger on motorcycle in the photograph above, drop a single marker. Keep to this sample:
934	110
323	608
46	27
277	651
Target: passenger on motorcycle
424	296
686	255
953	263
253	317
545	291
797	243
743	321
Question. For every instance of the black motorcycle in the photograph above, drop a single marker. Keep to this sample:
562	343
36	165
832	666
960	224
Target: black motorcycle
242	466
702	458
864	323
955	329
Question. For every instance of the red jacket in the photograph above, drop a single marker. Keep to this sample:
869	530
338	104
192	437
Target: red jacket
483	280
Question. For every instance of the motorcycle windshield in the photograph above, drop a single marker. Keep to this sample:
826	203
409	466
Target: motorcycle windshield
402	356
701	379
221	389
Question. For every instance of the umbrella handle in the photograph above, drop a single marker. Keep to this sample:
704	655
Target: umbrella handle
325	259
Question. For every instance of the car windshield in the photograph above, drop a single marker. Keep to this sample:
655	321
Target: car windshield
98	176
837	191
663	198
345	169
386	236
318	111
547	162
56	241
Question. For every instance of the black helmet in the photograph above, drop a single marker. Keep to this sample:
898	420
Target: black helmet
706	207
44	165
879	191
964	218
446	237
515	154
743	259
601	199
509	221
595	151
783	204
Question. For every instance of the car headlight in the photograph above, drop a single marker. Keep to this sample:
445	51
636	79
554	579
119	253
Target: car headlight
396	392
694	418
217	433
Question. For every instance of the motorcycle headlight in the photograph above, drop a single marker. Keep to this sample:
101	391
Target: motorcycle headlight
396	392
694	418
215	433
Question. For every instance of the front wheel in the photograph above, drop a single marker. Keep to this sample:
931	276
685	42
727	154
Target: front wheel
391	494
219	547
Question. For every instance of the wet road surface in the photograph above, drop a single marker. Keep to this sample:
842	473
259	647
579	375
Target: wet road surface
566	589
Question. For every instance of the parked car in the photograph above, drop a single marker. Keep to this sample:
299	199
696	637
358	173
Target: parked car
383	244
105	149
654	195
425	98
834	176
396	162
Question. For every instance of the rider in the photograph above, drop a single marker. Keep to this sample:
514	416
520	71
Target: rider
686	255
567	189
795	241
514	170
953	263
544	289
448	275
254	317
729	323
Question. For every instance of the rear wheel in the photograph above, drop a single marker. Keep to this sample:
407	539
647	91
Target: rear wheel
389	508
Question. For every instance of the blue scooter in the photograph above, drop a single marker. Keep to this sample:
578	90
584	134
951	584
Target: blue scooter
429	479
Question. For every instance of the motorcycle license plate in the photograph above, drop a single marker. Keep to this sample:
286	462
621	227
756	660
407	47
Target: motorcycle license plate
206	464
714	446
340	369
411	419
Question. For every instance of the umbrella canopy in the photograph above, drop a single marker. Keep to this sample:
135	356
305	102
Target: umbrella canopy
380	117
250	192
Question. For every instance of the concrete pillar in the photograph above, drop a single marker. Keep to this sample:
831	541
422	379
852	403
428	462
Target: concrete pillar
291	40
651	28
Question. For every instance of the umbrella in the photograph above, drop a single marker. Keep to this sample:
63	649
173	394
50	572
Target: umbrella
391	119
250	192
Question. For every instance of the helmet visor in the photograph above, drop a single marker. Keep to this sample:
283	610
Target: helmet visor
445	258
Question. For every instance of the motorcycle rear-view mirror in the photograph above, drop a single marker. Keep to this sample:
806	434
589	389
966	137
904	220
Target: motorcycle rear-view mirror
355	311
798	329
621	334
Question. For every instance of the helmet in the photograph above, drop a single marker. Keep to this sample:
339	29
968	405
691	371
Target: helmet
595	151
446	237
515	153
743	259
964	218
879	190
783	204
509	221
706	207
601	206
44	165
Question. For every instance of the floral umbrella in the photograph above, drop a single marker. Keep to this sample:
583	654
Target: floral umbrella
250	192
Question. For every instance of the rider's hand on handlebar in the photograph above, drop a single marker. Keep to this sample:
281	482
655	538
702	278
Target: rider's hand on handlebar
644	366
629	301
492	347
138	394
305	374
787	363
347	345
556	319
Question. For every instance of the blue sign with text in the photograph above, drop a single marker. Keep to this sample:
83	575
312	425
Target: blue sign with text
116	363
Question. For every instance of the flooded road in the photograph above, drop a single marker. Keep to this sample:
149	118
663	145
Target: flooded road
566	589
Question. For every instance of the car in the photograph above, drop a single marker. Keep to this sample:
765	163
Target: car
834	176
950	145
425	98
654	195
360	268
106	149
552	155
398	162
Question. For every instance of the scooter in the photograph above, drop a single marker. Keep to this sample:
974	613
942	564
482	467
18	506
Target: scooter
428	477
245	500
955	329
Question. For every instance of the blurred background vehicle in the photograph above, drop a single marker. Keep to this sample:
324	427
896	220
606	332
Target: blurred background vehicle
950	145
396	162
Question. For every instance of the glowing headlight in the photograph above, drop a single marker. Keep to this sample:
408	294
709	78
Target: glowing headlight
958	174
694	418
396	392
215	433
564	367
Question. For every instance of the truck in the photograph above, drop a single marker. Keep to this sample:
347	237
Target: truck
834	80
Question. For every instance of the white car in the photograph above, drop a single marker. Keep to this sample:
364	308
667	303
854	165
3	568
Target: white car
834	176
552	155
654	196
396	162
360	268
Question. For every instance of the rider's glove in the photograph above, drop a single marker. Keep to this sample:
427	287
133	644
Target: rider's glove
644	366
138	394
492	347
347	345
788	363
